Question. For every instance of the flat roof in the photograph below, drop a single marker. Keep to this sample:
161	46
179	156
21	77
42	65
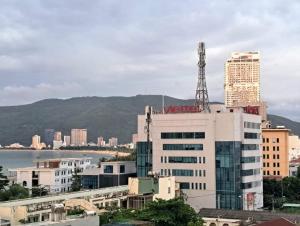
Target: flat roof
66	196
32	168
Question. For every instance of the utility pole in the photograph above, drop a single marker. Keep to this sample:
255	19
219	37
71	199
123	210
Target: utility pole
201	98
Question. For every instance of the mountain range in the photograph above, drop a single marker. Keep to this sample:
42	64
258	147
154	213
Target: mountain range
101	116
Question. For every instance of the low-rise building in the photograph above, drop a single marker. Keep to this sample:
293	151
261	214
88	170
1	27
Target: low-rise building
109	174
53	174
146	189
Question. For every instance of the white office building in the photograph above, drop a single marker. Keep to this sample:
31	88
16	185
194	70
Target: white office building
216	157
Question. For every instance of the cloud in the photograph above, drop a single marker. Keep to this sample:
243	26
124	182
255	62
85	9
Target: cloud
56	48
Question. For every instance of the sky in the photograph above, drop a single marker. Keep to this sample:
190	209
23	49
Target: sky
71	48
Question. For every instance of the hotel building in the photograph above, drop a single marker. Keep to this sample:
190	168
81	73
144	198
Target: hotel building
79	137
275	152
216	157
242	79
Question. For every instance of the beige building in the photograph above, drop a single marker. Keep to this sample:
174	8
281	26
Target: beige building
67	141
79	137
275	152
36	143
113	142
242	79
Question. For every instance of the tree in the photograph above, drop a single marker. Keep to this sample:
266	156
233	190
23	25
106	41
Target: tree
298	172
39	191
15	191
3	179
76	181
172	212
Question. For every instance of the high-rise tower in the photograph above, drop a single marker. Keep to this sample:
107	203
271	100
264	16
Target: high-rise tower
242	79
201	99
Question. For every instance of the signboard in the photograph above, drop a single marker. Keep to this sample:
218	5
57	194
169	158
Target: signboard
181	109
254	110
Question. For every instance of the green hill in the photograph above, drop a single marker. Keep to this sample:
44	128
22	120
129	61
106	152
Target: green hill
105	116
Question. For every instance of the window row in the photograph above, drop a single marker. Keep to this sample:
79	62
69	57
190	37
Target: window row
274	140
275	173
181	172
251	125
183	135
251	185
275	164
250	159
267	156
250	147
248	135
181	159
267	148
182	147
194	186
250	172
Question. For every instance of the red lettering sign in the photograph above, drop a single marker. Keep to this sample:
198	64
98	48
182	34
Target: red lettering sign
254	110
181	109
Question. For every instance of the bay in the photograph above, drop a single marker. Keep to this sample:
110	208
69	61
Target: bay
10	159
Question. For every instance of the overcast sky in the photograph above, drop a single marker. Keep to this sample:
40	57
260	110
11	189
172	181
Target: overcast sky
67	48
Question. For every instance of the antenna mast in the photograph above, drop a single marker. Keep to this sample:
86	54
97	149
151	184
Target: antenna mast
201	98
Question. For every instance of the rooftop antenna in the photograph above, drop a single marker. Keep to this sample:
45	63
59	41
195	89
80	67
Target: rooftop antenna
201	98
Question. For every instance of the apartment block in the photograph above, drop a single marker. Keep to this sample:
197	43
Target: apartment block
53	174
275	152
216	157
79	137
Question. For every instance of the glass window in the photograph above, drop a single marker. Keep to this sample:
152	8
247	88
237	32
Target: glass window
184	185
182	147
251	135
180	159
108	169
122	168
182	172
183	135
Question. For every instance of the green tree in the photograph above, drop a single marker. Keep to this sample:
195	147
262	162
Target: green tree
15	191
76	181
39	191
172	212
3	179
298	172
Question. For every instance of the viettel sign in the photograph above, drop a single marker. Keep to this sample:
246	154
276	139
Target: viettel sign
181	109
254	110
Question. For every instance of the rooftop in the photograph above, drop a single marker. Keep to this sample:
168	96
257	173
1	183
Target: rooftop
277	222
62	159
258	216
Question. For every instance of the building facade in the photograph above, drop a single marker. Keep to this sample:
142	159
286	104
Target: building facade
109	174
113	142
294	147
216	157
54	174
242	79
57	136
275	152
36	143
67	141
79	137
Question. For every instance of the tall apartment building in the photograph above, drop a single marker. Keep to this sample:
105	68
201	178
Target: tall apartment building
113	142
216	157
36	143
79	137
275	152
53	174
100	142
242	79
67	141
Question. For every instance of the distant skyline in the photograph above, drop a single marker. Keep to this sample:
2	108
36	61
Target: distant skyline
63	49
